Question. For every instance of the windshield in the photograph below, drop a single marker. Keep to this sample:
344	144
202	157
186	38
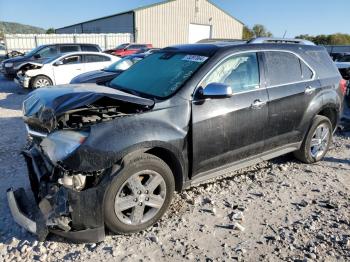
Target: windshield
34	51
344	59
123	64
159	75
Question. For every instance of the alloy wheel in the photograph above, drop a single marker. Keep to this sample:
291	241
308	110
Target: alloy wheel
140	197
319	141
41	82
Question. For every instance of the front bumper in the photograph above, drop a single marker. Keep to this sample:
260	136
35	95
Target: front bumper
22	81
83	209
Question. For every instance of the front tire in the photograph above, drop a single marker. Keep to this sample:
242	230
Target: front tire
138	195
317	141
41	81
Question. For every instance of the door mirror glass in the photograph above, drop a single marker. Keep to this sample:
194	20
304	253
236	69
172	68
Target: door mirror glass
216	90
58	63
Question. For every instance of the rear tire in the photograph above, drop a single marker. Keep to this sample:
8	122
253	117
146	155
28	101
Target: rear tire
41	81
317	141
138	195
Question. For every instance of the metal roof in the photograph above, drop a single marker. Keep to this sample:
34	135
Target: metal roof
145	7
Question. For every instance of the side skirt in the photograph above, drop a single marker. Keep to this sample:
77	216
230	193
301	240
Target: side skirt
221	171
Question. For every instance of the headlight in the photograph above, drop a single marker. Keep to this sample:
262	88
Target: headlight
8	64
61	144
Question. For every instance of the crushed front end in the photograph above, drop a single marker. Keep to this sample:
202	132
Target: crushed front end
68	178
68	204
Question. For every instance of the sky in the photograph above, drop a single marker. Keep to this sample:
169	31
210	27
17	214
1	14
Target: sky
294	16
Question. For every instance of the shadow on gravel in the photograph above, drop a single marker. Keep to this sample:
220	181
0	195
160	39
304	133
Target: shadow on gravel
336	160
14	94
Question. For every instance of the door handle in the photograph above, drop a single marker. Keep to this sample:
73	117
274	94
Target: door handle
258	104
310	90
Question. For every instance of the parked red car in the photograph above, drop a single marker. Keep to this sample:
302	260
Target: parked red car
128	49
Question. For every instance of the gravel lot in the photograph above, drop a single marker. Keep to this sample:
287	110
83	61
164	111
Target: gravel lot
277	210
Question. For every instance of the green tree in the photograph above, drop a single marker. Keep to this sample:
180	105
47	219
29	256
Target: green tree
247	33
50	30
261	31
334	39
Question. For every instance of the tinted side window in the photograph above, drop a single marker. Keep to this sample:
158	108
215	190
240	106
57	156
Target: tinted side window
307	73
341	49
89	48
75	59
283	68
96	58
133	47
47	52
69	48
241	72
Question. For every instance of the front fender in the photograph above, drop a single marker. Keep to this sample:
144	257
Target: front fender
109	142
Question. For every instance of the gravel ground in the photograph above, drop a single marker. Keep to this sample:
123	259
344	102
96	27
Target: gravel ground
277	210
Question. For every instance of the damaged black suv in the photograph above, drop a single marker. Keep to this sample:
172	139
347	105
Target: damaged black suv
114	155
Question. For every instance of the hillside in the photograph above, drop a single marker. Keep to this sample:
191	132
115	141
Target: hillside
16	28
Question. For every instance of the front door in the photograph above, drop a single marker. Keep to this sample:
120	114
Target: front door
230	129
71	67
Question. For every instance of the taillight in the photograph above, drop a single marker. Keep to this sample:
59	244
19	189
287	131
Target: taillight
343	86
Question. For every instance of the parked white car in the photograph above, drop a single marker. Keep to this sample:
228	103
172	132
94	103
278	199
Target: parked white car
61	69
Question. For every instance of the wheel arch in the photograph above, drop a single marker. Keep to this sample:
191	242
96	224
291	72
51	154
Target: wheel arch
172	159
35	77
331	113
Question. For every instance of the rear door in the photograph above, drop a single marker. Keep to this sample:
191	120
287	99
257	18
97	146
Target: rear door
291	85
230	129
95	62
71	67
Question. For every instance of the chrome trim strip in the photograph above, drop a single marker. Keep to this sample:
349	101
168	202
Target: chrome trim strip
35	133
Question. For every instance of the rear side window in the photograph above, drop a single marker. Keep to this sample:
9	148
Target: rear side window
89	48
96	58
241	72
306	72
69	48
283	68
71	60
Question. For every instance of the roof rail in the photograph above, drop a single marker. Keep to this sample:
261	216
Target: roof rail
266	40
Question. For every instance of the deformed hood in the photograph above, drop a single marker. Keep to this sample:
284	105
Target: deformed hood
91	77
48	103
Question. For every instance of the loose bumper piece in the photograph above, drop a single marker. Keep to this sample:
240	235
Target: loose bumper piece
26	215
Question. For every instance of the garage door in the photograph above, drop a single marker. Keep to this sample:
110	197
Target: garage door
199	32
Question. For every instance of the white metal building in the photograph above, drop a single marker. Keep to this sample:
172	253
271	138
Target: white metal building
166	23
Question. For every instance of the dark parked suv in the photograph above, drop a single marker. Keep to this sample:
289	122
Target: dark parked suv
114	155
42	53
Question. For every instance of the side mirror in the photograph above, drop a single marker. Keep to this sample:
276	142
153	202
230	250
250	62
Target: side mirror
37	56
216	90
58	63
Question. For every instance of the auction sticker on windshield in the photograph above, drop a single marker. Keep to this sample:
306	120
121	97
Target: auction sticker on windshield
195	58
